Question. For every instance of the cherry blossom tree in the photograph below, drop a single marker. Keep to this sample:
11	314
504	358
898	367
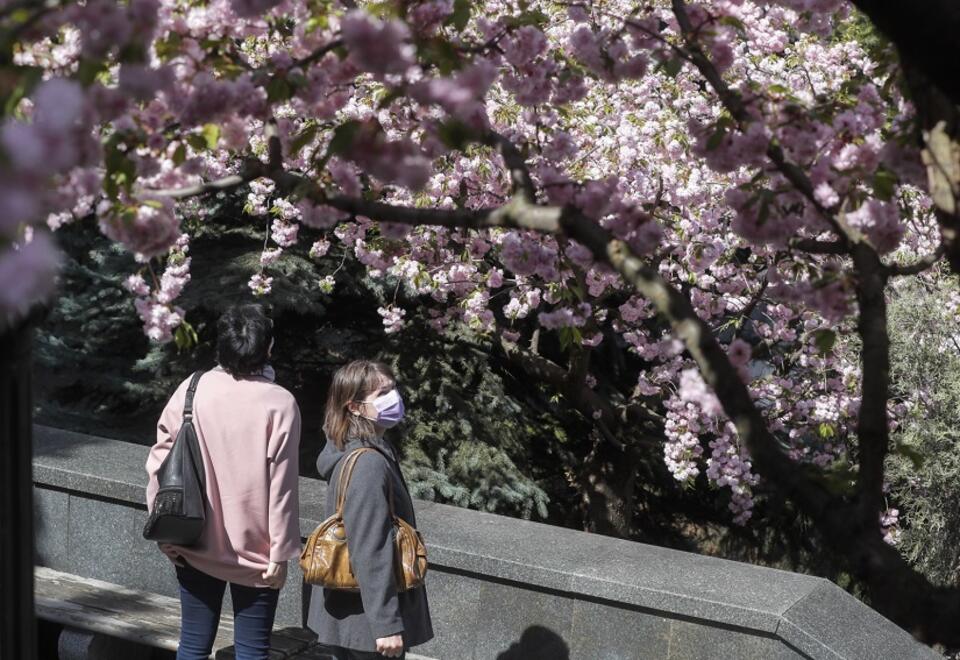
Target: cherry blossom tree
723	191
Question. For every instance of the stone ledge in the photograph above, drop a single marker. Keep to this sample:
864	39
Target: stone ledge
802	610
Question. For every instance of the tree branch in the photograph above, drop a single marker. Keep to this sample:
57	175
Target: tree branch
520	180
925	33
919	266
813	246
318	54
873	431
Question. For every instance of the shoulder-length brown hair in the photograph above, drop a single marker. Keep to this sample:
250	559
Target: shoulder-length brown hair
354	382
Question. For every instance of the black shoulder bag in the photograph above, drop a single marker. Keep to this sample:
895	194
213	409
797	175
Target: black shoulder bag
178	510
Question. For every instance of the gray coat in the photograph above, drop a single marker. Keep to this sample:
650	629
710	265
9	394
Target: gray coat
357	620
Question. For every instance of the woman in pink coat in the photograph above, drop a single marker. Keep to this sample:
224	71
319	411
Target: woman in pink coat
249	433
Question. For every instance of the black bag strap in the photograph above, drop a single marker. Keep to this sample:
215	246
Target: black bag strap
191	390
192	449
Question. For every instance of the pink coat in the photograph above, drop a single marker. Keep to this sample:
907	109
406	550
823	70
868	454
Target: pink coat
249	433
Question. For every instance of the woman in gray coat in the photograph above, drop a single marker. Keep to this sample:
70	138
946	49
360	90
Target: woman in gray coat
377	622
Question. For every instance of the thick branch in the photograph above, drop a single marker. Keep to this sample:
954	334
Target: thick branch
220	185
813	246
925	33
873	433
919	266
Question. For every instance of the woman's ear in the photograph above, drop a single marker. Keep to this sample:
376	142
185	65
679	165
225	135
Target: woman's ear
353	408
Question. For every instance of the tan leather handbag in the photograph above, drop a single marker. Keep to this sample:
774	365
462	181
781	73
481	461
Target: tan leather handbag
325	559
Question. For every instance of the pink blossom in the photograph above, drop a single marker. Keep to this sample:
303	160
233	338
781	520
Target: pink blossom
377	46
426	15
284	233
147	228
319	249
320	216
270	256
260	285
739	352
880	221
524	46
136	285
392	318
29	275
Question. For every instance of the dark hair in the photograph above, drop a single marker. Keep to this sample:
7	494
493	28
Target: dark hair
353	383
244	333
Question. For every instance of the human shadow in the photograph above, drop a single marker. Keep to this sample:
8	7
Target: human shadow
537	643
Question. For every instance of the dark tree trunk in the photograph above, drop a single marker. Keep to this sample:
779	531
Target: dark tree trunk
17	624
607	487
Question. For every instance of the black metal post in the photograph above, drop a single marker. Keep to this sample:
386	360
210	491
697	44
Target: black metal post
18	638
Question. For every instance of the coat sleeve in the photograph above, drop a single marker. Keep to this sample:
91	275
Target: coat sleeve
167	428
284	503
366	518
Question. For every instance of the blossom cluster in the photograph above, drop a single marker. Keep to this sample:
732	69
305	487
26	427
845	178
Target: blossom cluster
142	97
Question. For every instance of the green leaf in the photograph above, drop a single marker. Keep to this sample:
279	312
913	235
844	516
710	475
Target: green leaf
27	79
672	67
343	136
303	138
211	135
278	89
883	184
319	22
766	199
778	89
388	98
840	477
168	48
716	139
197	141
824	340
533	17
734	22
455	134
910	452
384	9
826	430
88	70
185	336
180	154
440	53
460	16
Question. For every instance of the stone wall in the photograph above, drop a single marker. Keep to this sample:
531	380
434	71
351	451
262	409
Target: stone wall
499	588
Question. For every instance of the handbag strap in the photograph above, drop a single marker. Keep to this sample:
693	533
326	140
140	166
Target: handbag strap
347	473
191	390
194	451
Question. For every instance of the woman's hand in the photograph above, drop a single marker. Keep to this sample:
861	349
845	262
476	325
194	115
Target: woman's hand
171	554
275	575
390	647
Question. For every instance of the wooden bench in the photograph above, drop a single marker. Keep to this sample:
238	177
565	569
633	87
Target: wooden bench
103	621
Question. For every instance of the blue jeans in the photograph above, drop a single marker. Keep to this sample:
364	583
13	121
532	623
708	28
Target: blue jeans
201	599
